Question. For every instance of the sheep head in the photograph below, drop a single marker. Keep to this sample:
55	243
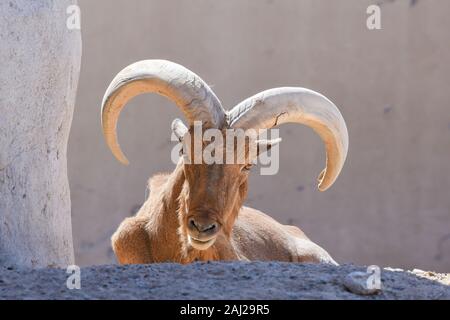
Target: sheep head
215	179
212	193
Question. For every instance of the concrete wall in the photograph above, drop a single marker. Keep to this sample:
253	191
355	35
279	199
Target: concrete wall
40	61
391	204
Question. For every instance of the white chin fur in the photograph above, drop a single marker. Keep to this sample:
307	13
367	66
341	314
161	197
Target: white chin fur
200	245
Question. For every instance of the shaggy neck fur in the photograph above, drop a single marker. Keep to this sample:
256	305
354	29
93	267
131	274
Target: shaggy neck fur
167	204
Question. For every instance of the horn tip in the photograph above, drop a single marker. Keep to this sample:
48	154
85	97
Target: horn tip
123	160
322	186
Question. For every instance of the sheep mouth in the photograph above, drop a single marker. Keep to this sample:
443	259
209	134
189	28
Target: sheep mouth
201	244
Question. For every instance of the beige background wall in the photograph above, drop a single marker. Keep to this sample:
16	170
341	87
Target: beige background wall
391	204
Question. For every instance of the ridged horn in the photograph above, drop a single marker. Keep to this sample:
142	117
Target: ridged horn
186	89
276	106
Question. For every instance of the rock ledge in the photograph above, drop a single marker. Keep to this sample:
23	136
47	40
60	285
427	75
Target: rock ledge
218	280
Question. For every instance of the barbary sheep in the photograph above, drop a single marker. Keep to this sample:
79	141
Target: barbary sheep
196	213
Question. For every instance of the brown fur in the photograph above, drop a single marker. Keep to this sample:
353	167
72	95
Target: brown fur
158	231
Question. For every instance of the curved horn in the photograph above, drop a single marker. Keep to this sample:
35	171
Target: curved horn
190	93
273	107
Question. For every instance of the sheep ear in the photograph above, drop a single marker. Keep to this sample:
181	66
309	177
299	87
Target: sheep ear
179	129
265	145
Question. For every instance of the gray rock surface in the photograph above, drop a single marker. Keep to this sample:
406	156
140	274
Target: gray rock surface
40	62
216	280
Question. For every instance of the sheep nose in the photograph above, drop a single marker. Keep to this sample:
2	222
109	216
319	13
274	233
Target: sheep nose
204	227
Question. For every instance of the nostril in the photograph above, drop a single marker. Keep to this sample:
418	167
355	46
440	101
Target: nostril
192	224
207	228
211	227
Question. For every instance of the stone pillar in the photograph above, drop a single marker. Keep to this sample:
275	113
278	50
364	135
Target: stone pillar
40	59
